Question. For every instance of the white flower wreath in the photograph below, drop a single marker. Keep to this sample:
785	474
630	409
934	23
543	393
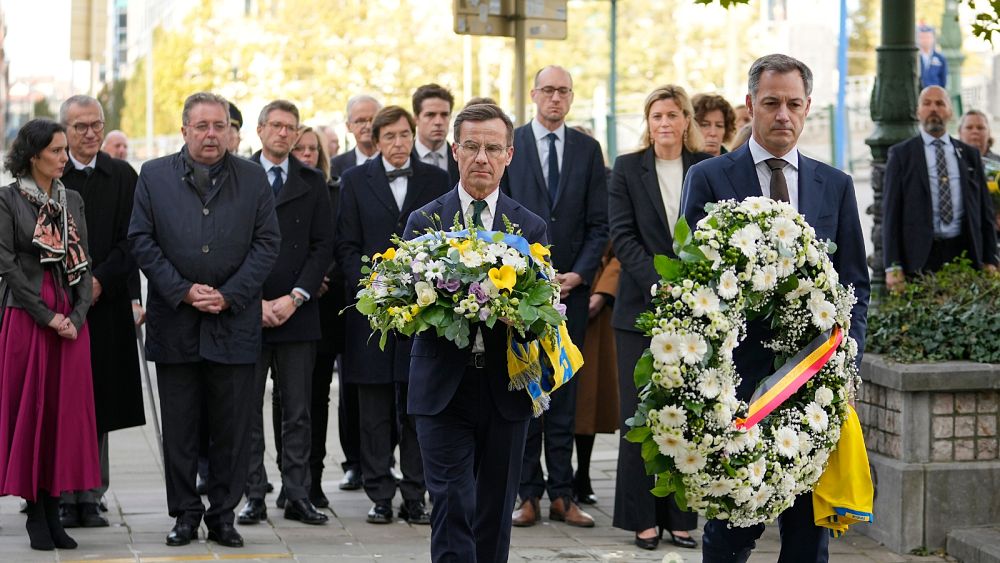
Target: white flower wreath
748	261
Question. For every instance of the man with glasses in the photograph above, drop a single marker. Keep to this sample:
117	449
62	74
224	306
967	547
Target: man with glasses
107	186
375	200
470	423
361	110
558	173
205	233
290	316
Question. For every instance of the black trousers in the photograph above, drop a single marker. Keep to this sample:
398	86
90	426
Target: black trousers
291	365
944	251
636	509
554	430
802	541
472	460
186	391
383	408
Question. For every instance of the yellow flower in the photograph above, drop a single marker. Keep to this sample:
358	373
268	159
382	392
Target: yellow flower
461	244
389	254
392	311
414	309
540	253
504	277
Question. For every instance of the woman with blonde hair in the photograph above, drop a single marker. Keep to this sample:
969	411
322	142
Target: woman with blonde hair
644	200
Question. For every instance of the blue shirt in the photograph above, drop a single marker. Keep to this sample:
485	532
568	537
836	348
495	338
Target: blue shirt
954	228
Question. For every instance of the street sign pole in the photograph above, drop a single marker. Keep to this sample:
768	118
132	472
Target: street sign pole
519	63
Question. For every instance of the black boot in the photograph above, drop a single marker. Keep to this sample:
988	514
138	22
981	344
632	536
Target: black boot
38	530
59	536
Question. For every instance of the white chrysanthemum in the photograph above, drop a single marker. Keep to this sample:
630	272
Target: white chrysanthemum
736	443
755	205
704	302
434	271
745	239
729	285
785	231
729	344
496	250
719	487
786	441
471	259
765	278
516	261
666	347
762	496
708	384
757	470
816	417
785	266
693	348
418	267
690	460
824	396
824	314
805	443
673	416
671	444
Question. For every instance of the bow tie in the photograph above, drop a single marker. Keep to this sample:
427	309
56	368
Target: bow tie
393	174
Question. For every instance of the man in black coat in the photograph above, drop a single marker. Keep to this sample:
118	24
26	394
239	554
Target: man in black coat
361	110
471	424
936	204
290	315
432	106
107	186
375	200
558	173
205	233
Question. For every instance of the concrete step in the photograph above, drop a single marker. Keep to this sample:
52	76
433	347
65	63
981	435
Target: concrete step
975	545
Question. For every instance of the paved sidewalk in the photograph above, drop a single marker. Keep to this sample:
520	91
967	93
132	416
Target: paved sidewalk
140	523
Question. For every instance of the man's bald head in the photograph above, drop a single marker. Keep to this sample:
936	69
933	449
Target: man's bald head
116	145
934	110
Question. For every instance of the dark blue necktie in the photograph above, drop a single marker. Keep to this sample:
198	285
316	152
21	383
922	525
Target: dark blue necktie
553	167
277	183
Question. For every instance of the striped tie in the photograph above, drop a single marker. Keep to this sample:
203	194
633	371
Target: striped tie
945	210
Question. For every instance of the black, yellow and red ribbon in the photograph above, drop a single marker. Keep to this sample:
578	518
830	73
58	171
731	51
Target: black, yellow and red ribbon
782	384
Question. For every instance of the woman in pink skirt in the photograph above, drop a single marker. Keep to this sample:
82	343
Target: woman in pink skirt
48	434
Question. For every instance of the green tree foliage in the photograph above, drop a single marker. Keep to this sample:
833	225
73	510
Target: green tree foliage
112	98
41	109
865	28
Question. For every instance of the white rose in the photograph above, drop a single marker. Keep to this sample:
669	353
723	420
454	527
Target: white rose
425	293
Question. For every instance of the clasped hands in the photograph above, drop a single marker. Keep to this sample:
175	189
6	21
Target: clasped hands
63	326
276	312
206	299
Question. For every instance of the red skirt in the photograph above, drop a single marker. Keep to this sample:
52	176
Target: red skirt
48	433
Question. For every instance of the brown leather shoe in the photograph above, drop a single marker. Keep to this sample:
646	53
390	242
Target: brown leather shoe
565	510
527	514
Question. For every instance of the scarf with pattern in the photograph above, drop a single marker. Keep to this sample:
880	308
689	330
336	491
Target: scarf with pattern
55	231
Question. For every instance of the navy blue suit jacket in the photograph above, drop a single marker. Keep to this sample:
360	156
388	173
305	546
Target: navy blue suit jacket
368	219
826	199
436	364
342	163
578	218
908	216
453	175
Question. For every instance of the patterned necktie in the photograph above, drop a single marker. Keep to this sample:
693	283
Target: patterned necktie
945	211
553	167
88	170
277	183
478	206
779	188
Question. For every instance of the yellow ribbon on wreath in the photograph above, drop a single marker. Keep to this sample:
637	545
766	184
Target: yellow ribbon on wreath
844	493
541	366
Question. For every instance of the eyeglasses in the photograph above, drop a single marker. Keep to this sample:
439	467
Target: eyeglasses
81	128
492	151
362	121
219	127
279	126
550	90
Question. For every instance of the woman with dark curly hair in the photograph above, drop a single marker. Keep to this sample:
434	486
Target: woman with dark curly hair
48	433
717	121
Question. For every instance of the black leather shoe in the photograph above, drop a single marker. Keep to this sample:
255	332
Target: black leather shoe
682	541
280	501
351	480
225	535
269	487
182	534
415	512
90	516
380	513
303	511
647	543
254	511
69	515
318	499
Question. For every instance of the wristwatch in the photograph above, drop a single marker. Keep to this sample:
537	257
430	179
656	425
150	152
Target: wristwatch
296	299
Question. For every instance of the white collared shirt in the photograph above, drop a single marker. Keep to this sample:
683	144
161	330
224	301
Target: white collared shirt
540	133
953	229
79	165
361	158
398	186
791	171
270	166
427	156
488	215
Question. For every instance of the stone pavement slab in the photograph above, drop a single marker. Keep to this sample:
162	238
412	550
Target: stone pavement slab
137	503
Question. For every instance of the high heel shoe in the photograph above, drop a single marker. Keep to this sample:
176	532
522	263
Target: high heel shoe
681	541
648	543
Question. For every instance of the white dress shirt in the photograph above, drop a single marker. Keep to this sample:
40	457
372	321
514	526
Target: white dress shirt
270	166
542	143
361	158
437	157
398	186
79	165
953	229
488	215
791	171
